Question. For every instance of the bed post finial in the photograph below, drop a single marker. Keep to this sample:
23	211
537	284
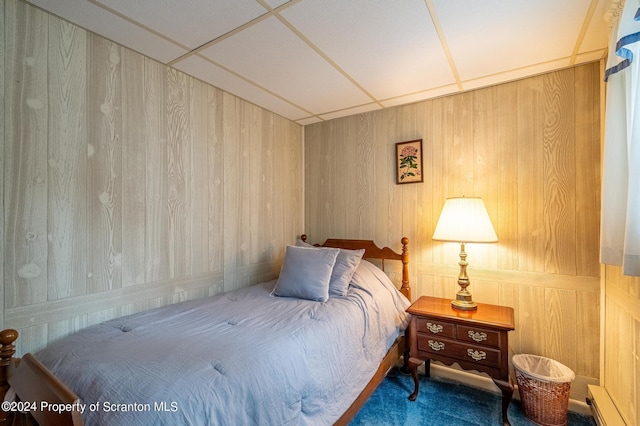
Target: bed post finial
406	288
7	351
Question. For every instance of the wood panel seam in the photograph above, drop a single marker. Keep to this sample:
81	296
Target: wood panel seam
42	313
630	304
546	280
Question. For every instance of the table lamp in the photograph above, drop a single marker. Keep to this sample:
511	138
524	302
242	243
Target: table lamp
464	220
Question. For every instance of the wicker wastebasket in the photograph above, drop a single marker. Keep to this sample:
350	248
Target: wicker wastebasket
544	386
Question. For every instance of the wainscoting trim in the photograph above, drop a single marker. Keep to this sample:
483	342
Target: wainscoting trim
629	304
539	279
42	313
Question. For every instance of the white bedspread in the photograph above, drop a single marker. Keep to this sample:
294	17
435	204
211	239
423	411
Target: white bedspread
241	358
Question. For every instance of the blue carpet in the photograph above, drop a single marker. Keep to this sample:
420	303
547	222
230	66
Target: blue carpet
441	403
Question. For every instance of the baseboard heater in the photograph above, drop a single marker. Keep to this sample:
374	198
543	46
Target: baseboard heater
603	409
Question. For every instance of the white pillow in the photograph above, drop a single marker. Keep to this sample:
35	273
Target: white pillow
305	273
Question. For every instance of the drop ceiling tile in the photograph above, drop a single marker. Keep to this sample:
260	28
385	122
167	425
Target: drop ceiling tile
112	27
189	22
389	48
272	56
492	36
222	79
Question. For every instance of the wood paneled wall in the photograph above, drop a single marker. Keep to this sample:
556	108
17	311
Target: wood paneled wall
531	150
622	342
128	185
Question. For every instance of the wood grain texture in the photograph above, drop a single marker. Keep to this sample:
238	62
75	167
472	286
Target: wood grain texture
437	164
530	126
104	202
425	218
179	179
261	167
154	123
25	154
123	183
199	191
68	153
247	176
561	337
523	148
288	165
588	361
232	190
134	162
622	342
619	362
531	320
587	157
215	137
492	108
559	171
364	196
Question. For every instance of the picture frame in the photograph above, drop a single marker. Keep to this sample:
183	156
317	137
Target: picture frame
409	162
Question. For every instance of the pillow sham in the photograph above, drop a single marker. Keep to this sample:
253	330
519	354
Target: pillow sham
305	273
346	264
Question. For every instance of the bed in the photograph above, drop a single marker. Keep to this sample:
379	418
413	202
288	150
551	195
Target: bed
265	354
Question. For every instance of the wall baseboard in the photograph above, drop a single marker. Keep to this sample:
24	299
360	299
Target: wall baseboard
603	409
485	383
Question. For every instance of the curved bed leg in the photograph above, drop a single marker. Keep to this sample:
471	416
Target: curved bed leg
7	351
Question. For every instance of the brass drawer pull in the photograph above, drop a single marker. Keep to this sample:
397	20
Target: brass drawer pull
477	336
436	346
477	355
434	328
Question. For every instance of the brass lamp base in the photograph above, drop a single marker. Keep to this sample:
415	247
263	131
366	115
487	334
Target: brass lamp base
463	299
464	302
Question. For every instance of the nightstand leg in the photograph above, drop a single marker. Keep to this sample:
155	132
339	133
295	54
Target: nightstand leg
414	363
507	393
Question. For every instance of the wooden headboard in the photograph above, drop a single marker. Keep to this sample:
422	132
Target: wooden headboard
372	251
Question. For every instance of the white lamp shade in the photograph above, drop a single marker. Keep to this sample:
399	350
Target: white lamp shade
465	220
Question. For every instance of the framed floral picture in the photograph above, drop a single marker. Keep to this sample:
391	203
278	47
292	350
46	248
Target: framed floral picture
409	161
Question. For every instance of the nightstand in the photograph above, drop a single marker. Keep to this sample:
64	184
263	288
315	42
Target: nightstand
476	340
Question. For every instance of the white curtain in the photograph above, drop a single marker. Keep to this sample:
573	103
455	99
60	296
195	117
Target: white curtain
620	239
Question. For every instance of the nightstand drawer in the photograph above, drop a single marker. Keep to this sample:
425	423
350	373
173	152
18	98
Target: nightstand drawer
478	335
458	350
438	328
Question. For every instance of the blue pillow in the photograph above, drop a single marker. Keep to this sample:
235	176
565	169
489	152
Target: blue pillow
346	264
305	273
